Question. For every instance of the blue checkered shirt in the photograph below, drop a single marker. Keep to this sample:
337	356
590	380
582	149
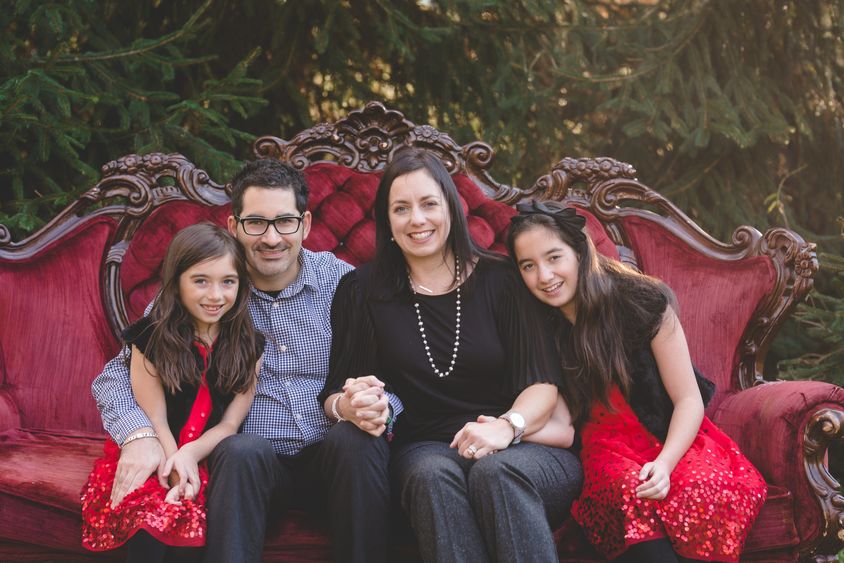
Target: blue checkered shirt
297	327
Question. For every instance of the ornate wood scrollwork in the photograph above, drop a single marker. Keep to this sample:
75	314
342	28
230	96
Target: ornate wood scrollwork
131	188
796	264
823	428
366	139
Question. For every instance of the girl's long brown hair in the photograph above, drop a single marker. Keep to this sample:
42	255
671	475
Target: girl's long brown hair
610	298
169	348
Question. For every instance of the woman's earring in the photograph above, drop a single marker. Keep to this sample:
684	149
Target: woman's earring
393	239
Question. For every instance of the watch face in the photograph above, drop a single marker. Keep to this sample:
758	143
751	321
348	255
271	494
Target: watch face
517	420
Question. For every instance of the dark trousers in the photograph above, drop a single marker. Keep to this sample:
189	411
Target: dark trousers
653	551
143	548
346	475
499	508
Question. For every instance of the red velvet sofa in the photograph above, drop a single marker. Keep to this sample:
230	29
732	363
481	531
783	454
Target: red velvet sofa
68	289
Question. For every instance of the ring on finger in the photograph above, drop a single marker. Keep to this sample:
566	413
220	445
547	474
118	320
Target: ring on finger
472	450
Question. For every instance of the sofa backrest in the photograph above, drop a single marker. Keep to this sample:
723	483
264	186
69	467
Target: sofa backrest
70	288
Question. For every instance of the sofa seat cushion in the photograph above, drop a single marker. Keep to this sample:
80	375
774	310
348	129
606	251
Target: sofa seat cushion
41	477
47	468
774	528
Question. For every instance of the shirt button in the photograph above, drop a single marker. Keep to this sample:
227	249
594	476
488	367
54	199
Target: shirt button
287	384
276	305
202	414
282	347
297	416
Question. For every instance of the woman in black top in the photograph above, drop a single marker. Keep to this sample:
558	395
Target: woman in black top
447	326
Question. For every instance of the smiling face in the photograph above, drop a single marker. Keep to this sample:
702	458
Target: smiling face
418	215
549	268
208	290
272	259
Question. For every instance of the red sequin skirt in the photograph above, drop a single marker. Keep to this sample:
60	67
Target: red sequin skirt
106	528
714	497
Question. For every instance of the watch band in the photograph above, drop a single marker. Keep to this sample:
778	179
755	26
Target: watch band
518	429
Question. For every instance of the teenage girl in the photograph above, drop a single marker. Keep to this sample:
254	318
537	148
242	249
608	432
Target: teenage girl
194	363
661	482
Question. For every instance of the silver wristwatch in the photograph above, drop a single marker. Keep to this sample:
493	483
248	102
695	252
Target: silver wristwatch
517	421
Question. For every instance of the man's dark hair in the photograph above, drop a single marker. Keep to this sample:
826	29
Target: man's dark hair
269	173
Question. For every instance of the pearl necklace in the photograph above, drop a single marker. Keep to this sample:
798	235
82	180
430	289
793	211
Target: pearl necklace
413	286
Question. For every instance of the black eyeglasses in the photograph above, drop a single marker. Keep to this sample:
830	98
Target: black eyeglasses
257	226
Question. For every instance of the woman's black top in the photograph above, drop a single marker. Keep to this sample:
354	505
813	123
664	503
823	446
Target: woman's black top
179	404
503	348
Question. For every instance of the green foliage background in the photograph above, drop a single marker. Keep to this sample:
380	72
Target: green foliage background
733	110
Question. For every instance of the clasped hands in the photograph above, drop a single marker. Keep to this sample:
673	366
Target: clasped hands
485	436
141	458
364	403
181	473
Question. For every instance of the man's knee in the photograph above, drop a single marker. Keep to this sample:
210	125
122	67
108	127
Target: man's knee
346	444
242	452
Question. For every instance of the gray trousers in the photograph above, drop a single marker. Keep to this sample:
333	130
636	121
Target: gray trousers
499	508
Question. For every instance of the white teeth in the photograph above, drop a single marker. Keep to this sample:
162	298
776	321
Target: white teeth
554	287
420	236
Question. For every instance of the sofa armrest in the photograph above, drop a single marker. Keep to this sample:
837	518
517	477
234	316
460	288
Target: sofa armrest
9	416
785	428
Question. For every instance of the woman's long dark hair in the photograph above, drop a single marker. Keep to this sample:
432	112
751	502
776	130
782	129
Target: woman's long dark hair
170	345
609	299
389	265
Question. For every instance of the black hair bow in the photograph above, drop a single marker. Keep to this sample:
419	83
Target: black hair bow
566	218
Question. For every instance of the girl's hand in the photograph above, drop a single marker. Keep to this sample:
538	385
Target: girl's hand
658	480
173	496
186	466
486	436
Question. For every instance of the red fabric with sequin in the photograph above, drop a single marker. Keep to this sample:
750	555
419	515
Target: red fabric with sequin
714	498
184	525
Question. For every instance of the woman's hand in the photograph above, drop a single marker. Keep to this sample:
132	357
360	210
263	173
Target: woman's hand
658	480
185	465
365	404
486	436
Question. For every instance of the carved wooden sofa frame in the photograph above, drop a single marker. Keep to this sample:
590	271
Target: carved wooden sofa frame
65	298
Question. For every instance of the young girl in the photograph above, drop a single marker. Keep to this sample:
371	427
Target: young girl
661	482
194	361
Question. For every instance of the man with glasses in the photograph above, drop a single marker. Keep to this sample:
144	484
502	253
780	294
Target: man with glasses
286	454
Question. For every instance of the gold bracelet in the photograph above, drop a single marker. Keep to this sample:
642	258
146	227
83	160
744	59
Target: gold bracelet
138	436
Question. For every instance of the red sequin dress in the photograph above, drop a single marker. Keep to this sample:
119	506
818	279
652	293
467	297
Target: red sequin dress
105	528
715	492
